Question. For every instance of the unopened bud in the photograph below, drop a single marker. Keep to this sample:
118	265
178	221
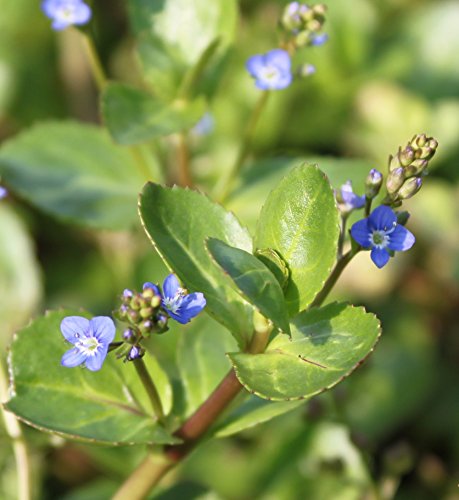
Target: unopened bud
416	168
306	70
155	301
148	293
373	183
122	311
161	323
133	316
146	326
136	352
129	335
410	188
406	156
320	9
146	312
395	180
127	295
135	303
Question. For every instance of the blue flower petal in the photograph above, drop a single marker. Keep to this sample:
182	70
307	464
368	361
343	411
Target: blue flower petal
279	58
95	362
170	286
72	358
103	329
75	327
82	14
255	64
284	81
401	239
192	305
361	233
382	218
379	256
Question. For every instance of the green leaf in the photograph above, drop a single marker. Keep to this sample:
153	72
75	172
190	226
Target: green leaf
327	345
109	406
187	26
74	172
178	221
255	282
202	361
133	115
20	280
253	412
300	220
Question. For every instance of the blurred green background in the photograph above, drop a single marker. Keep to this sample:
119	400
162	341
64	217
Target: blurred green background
389	70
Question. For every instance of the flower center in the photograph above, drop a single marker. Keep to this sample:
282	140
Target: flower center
270	74
88	345
379	239
174	303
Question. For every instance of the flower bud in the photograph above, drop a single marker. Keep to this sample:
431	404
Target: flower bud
395	180
146	327
121	313
155	301
410	188
305	70
129	335
406	156
416	168
127	295
146	312
373	183
136	352
133	316
161	323
135	303
148	293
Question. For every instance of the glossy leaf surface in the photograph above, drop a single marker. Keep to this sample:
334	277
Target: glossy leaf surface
133	115
74	172
254	280
178	221
327	345
300	221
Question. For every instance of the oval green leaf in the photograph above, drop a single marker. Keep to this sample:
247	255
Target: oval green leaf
327	345
178	221
255	282
300	221
109	406
73	171
133	115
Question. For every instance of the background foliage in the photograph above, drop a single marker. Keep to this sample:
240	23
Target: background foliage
389	70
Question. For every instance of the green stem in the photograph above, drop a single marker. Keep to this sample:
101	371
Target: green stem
368	202
249	132
332	279
150	388
149	473
342	235
144	478
14	431
94	61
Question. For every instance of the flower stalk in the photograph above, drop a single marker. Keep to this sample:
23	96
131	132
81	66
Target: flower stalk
150	387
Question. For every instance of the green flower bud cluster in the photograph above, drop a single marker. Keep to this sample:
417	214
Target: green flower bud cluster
304	23
408	166
143	313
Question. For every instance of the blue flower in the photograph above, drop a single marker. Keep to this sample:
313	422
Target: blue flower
178	304
381	232
272	70
65	13
205	125
3	192
90	338
318	40
348	200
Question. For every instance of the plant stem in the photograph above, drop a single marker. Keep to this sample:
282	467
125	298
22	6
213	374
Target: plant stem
150	388
142	480
332	279
13	429
249	132
368	202
94	61
342	235
185	178
149	473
